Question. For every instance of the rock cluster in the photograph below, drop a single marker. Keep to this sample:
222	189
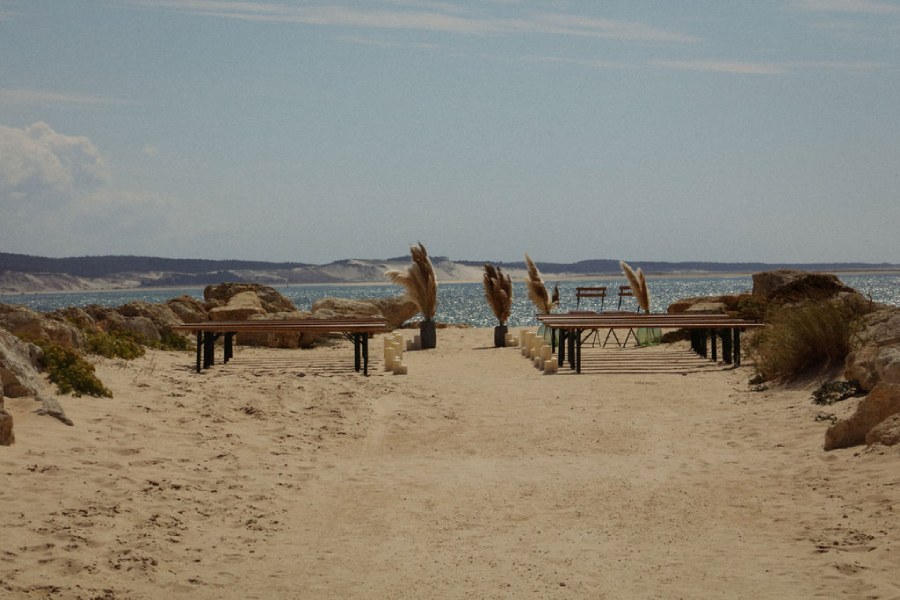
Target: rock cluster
874	362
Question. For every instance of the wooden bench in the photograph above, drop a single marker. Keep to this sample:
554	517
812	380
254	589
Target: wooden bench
356	330
568	330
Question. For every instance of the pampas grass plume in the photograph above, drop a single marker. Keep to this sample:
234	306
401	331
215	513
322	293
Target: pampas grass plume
498	291
419	281
638	285
537	291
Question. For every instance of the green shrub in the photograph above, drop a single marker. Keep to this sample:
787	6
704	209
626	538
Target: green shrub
71	372
752	308
804	337
113	345
174	341
835	391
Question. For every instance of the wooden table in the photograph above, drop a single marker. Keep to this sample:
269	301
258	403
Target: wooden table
356	330
568	330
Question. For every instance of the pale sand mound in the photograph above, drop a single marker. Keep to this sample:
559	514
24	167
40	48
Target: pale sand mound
472	477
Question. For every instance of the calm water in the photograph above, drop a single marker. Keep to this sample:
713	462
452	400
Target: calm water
464	302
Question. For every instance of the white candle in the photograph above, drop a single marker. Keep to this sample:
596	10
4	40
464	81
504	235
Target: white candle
400	368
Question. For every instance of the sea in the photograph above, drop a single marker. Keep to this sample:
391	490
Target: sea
464	303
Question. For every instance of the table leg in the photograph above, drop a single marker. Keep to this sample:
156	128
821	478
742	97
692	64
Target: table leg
737	347
357	348
365	353
199	349
726	345
714	344
229	342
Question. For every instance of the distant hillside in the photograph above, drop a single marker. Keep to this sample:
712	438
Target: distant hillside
20	273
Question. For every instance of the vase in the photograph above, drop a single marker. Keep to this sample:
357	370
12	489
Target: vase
428	334
500	336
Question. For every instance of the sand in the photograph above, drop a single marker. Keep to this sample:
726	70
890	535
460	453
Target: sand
284	474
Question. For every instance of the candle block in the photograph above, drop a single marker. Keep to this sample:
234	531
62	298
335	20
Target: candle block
400	368
417	342
551	366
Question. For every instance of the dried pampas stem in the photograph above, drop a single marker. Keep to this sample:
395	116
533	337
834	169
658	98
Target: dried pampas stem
498	291
537	291
638	285
419	281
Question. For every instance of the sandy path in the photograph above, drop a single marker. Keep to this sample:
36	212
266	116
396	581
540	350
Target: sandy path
284	475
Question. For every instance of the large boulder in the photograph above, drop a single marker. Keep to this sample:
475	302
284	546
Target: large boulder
188	309
788	285
397	310
160	314
277	340
19	366
28	324
886	433
875	349
882	402
240	307
706	304
271	300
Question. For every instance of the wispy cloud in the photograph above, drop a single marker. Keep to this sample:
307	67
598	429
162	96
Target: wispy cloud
766	68
44	98
419	15
847	6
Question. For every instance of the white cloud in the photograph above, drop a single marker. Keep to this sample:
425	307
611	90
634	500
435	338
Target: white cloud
847	6
38	97
40	166
422	16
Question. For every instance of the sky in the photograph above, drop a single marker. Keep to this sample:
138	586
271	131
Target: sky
321	130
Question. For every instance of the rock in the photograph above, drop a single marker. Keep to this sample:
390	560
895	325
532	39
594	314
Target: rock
886	433
788	285
188	309
277	340
74	315
875	349
707	308
18	366
271	300
143	329
240	307
882	402
160	314
50	407
28	324
7	437
397	310
728	302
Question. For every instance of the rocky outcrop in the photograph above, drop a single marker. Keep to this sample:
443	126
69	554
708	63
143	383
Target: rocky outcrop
188	309
51	407
277	340
882	402
875	349
787	285
706	304
18	366
31	325
270	299
397	310
159	314
239	307
7	437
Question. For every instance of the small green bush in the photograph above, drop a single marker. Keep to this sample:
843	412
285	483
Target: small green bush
113	345
71	372
835	391
174	341
813	335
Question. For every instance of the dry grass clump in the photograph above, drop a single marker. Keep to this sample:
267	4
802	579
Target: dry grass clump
498	291
638	285
419	281
808	338
537	291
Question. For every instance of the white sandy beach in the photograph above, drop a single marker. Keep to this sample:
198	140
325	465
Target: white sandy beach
284	474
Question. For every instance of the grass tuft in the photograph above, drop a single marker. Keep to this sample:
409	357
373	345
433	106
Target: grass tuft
71	373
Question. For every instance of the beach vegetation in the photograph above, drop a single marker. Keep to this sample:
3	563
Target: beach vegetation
834	391
71	372
537	291
498	291
638	284
113	344
805	339
419	281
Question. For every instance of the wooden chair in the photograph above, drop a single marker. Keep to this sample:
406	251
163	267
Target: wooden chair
624	292
590	292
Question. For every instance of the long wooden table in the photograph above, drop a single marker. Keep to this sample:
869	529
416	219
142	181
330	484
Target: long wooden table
568	330
356	330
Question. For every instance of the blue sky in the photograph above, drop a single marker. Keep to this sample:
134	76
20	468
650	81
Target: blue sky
313	131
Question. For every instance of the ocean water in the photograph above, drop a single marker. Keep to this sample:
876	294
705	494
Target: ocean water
464	303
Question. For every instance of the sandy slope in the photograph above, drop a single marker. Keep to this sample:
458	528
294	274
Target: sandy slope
286	475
